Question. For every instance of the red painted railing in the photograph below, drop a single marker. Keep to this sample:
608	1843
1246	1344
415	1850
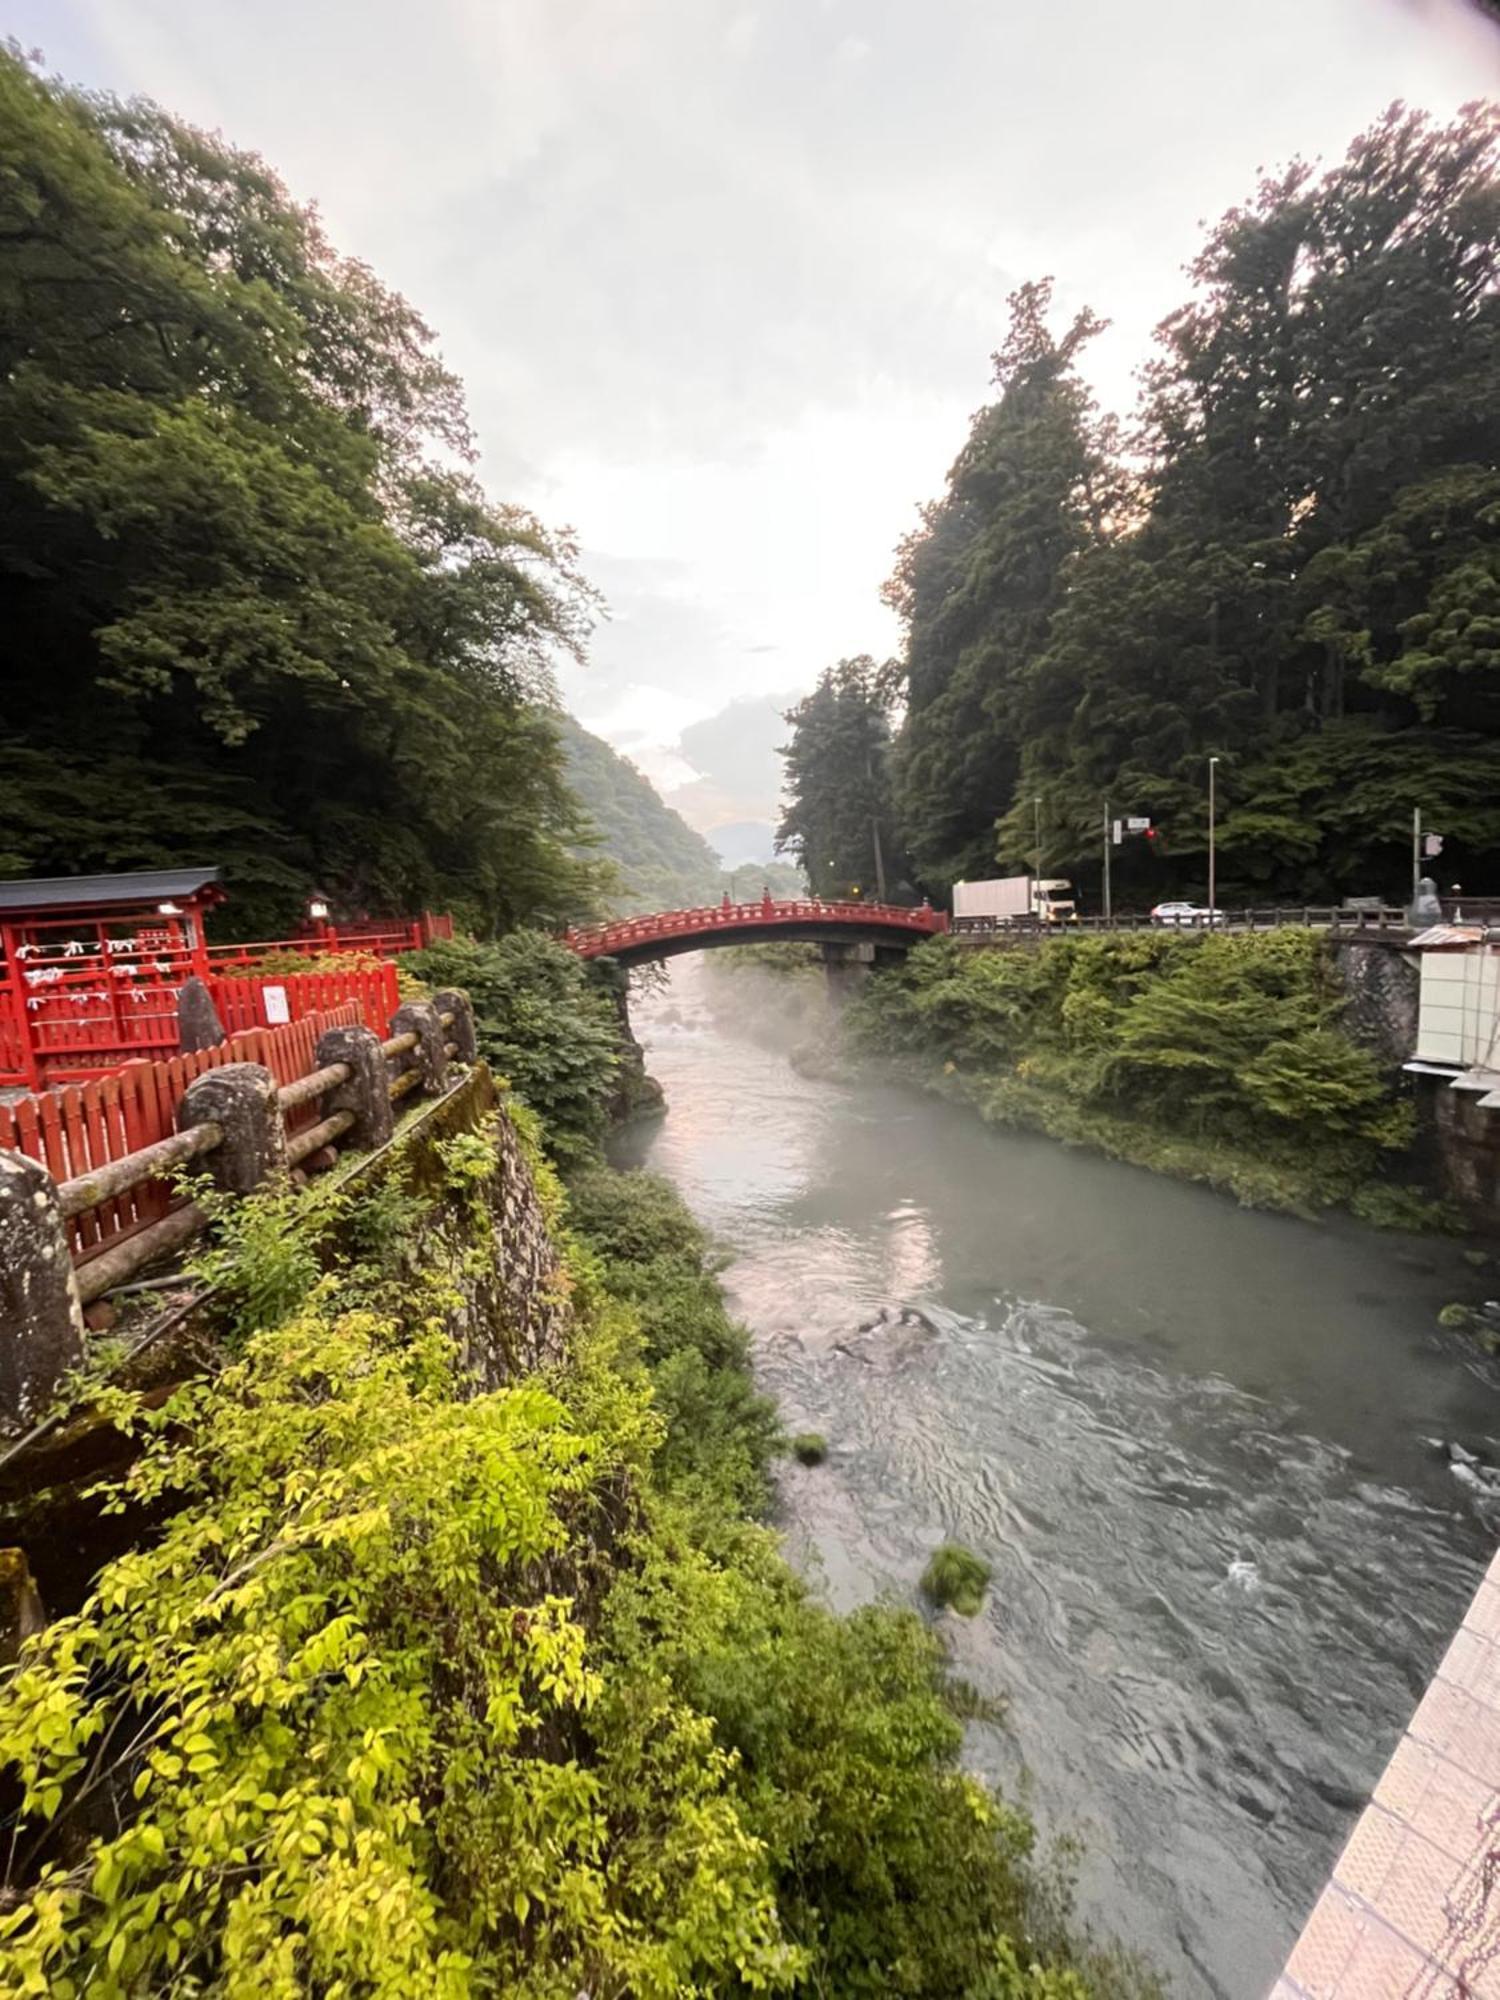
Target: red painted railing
79	1127
715	919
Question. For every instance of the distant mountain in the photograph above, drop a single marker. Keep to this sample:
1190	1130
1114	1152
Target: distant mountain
663	864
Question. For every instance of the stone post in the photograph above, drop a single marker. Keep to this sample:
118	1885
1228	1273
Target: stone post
198	1023
41	1322
240	1097
367	1093
419	1018
453	1000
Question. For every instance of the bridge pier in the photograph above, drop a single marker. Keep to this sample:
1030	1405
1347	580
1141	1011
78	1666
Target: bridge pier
635	1093
846	967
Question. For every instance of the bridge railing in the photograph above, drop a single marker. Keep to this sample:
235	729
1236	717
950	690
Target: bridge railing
1334	917
600	940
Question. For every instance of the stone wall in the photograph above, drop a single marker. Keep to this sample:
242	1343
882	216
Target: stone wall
1384	987
1467	1143
1455	1153
490	1240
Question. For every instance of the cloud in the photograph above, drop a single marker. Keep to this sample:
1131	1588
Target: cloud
723	280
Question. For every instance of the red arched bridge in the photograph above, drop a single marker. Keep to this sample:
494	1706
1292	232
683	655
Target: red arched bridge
633	940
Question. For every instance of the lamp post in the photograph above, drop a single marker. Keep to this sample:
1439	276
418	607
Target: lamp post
1037	804
1212	906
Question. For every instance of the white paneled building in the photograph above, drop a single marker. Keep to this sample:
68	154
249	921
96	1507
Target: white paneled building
1458	1028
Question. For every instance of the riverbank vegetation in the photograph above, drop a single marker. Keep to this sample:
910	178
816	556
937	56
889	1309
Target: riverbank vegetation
1218	1058
409	1688
1288	559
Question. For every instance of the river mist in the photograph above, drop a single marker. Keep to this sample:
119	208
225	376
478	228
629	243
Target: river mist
1192	1441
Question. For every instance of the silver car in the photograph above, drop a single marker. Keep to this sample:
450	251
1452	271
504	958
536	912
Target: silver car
1186	916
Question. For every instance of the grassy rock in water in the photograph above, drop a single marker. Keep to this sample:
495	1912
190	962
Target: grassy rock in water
810	1448
955	1578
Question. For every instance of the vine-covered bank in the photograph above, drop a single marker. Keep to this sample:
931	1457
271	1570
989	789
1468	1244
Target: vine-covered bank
411	1685
1227	1059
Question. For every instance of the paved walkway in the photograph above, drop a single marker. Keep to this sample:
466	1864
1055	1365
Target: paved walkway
1413	1909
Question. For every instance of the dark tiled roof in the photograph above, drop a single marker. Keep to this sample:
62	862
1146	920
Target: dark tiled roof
80	892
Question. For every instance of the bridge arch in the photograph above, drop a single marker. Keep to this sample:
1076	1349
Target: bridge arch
635	940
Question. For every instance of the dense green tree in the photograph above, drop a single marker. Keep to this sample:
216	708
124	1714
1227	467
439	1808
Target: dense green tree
1306	579
978	583
838	822
241	562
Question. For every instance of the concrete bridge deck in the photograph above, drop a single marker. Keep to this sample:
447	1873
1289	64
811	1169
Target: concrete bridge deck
1412	1911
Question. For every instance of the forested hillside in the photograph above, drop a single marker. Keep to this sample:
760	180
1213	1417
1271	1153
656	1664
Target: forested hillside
255	610
1290	560
662	863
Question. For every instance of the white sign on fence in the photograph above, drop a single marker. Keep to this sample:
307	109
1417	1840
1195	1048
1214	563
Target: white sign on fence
1137	825
278	1011
1119	836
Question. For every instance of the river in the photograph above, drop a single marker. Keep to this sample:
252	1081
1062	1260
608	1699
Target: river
1191	1440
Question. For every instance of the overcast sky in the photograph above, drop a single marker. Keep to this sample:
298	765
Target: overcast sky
723	277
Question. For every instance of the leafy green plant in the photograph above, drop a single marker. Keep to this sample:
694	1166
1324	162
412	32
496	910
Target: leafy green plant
345	1718
262	1254
955	1578
809	1448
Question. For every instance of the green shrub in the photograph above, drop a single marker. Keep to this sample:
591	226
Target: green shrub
955	1577
541	1023
809	1448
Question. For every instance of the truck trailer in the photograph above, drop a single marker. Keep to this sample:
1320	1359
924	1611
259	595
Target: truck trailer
1008	899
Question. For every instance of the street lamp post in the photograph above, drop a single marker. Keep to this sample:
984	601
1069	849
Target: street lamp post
1212	905
1037	804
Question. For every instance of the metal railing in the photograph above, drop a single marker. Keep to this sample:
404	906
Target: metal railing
1387	920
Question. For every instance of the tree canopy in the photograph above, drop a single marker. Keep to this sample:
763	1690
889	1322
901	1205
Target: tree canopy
838	822
257	609
1292	563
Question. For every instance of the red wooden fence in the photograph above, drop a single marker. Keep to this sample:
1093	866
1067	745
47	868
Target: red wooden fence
72	1020
81	1126
243	1003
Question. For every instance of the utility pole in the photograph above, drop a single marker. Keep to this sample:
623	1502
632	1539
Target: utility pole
1037	803
1416	853
1108	909
1212	769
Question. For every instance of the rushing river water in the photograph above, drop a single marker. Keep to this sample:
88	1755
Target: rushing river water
1191	1440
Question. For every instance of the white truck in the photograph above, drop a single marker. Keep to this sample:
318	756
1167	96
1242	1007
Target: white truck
1006	899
